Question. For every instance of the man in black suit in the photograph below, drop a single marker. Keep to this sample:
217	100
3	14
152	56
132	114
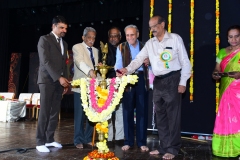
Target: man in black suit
52	52
114	38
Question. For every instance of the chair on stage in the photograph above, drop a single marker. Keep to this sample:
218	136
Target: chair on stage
8	95
36	102
27	97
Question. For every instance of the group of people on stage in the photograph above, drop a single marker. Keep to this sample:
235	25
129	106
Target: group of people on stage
168	58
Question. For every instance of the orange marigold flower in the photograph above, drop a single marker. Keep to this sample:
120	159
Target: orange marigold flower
191	31
98	89
98	125
191	98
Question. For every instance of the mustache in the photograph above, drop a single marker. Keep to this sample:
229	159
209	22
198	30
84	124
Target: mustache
90	42
154	31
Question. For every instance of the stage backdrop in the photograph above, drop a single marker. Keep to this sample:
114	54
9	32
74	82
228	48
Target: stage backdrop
13	81
199	115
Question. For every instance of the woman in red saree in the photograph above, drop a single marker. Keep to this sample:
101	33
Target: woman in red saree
226	134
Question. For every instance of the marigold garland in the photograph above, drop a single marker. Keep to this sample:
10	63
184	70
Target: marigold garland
89	96
191	47
102	128
169	15
151	13
94	155
99	104
217	48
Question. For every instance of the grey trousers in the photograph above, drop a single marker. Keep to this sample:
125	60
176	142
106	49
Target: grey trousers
119	134
50	103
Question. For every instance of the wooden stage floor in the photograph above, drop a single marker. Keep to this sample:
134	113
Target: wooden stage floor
21	135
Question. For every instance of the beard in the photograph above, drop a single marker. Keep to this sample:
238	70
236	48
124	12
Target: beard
62	34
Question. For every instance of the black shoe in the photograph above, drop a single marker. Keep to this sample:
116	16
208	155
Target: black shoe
119	142
110	144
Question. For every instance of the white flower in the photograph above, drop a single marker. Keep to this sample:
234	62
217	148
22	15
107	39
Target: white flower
120	84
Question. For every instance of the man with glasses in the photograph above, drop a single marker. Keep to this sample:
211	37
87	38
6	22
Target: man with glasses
85	58
171	67
114	37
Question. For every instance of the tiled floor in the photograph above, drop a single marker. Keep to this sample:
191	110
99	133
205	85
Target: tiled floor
21	134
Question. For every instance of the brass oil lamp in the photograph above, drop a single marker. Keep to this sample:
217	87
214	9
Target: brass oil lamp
103	69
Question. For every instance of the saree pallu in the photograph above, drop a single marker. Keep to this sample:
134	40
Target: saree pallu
226	136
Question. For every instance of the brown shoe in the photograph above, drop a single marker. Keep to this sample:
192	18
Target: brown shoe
79	146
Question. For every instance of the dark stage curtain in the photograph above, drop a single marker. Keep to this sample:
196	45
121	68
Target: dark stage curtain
33	73
5	56
198	116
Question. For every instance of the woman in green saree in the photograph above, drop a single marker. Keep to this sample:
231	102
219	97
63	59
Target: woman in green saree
226	134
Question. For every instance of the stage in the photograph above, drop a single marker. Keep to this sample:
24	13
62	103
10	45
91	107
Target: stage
21	135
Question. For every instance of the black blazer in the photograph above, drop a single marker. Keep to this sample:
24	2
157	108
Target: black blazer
52	64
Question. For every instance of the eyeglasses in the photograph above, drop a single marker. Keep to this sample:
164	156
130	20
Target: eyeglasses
154	26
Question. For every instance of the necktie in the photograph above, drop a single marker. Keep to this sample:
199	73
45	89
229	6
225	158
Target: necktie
59	41
91	55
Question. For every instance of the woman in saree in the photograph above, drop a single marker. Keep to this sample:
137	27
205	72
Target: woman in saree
226	134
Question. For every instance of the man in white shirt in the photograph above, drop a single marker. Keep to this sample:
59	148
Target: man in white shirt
172	69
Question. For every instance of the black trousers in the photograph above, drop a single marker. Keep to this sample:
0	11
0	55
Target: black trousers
50	103
167	102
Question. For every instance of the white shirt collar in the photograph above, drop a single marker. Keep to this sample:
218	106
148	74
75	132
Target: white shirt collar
166	35
55	35
86	45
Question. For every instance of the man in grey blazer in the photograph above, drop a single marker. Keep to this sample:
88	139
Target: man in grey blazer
52	51
85	57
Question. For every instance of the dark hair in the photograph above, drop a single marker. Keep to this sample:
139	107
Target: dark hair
160	18
233	27
59	19
114	28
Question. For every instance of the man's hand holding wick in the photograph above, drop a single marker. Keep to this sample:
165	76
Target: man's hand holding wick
121	72
146	62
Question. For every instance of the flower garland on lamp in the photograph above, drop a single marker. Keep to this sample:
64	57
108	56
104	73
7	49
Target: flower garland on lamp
98	105
151	13
217	48
191	47
169	15
103	150
102	129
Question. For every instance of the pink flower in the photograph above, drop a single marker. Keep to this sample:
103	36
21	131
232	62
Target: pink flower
93	96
